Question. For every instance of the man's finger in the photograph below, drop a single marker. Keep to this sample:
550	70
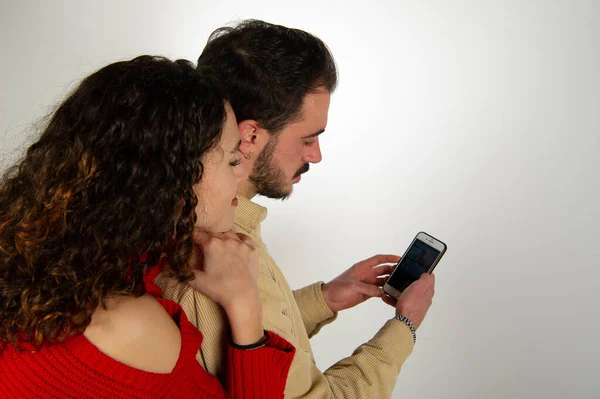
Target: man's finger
430	281
389	300
381	280
424	284
379	260
377	272
369	290
383	270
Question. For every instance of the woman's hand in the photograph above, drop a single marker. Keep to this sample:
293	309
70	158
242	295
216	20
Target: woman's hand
225	266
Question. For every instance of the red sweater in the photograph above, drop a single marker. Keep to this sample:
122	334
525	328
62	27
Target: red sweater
77	369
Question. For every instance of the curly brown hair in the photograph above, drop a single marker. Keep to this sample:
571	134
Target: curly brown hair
106	188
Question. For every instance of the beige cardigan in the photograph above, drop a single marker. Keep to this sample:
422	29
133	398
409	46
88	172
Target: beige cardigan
369	373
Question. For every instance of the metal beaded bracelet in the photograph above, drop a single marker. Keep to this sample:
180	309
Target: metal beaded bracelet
406	321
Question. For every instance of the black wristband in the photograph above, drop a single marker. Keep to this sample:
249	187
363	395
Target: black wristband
255	345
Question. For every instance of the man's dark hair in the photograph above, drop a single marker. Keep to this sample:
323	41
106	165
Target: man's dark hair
266	70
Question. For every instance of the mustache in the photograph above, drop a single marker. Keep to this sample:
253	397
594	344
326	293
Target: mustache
302	170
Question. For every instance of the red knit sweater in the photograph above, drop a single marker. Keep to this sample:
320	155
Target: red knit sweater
77	369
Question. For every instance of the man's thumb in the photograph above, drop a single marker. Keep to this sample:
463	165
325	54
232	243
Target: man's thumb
370	290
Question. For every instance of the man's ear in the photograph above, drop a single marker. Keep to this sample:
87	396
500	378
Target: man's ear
251	136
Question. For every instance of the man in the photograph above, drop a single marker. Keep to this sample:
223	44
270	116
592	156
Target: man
279	82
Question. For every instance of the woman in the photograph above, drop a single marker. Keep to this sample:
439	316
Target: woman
135	167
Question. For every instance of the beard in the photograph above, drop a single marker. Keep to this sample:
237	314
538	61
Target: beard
269	178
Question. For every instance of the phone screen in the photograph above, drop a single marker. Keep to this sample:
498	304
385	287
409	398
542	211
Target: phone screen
418	260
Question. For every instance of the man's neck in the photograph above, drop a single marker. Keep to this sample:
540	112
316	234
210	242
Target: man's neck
246	189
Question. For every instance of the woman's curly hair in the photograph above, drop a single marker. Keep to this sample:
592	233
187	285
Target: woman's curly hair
106	188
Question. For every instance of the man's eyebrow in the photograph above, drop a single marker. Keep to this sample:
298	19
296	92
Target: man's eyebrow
314	134
237	147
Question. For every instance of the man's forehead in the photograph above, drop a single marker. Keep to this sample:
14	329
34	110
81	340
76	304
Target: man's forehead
305	128
317	101
315	111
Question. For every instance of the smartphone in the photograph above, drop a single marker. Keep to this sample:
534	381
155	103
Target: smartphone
422	255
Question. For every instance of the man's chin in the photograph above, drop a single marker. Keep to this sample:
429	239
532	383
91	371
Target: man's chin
280	194
282	190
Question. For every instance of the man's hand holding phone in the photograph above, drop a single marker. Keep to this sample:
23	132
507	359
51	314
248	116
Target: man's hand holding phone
415	300
411	282
359	283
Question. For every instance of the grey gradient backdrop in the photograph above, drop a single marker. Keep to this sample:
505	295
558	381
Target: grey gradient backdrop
476	121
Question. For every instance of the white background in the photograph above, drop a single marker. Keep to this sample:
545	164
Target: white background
476	121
